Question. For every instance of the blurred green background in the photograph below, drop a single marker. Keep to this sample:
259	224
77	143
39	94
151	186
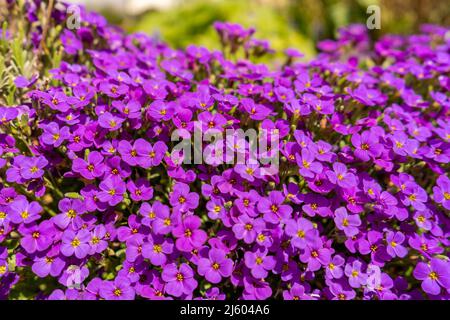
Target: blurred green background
285	23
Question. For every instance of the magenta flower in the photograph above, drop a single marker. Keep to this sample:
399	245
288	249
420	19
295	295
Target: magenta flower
216	266
37	237
112	190
434	275
157	249
347	223
247	228
299	230
308	167
183	200
341	176
259	262
315	255
188	234
90	169
75	243
356	278
442	191
273	208
70	211
53	135
394	242
179	280
119	289
366	145
22	211
110	121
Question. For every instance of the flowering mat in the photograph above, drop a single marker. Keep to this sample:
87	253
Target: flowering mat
96	204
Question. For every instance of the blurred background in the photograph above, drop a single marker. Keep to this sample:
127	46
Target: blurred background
285	23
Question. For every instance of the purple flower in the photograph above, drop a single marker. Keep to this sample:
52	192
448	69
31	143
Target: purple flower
442	191
347	223
273	208
70	210
296	292
156	250
48	263
315	255
259	262
22	211
188	234
140	190
394	242
341	176
33	168
247	228
37	237
90	169
308	167
434	275
112	190
216	266
366	145
179	280
299	230
119	289
183	200
53	135
356	278
75	243
110	121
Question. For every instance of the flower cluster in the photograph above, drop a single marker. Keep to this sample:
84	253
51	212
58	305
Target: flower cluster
94	206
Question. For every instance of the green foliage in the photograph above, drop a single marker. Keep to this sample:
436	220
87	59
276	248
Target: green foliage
192	24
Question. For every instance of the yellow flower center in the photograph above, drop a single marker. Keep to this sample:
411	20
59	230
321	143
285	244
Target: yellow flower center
301	233
71	213
433	275
2	269
75	242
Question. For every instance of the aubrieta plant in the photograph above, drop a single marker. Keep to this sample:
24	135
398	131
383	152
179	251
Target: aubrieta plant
93	205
